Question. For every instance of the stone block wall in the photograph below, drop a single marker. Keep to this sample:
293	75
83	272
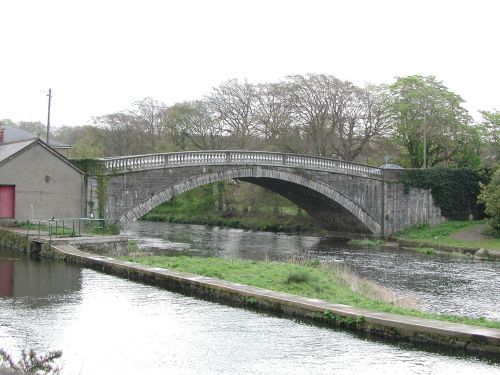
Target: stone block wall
404	208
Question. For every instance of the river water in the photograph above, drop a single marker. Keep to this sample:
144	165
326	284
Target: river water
437	283
107	325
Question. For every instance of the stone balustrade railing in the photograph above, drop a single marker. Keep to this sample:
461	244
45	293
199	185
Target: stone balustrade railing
154	161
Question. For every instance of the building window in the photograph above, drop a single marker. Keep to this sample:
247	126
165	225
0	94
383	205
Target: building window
7	201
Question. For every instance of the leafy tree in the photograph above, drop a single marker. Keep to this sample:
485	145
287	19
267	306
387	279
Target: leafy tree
466	151
37	128
423	104
7	122
34	127
490	196
89	144
490	128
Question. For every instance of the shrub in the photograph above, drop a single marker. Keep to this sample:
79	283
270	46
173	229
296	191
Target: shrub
89	166
31	362
490	196
298	277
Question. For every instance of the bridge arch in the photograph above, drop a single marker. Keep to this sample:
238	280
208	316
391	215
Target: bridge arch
293	186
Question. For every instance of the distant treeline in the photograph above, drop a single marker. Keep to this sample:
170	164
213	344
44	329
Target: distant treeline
313	114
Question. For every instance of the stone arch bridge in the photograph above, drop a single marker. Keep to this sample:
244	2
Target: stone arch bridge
346	198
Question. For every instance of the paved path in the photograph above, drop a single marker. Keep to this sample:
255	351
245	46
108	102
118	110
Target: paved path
473	233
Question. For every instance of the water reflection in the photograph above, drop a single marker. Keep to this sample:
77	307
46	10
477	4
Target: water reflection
439	283
6	278
47	281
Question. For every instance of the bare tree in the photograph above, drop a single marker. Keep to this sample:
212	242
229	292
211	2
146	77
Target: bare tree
274	121
361	115
124	134
336	118
233	105
193	121
136	130
150	114
312	100
313	114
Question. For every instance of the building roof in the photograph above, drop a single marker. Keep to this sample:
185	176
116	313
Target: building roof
9	149
13	134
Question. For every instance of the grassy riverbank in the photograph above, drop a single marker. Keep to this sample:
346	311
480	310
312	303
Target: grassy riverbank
235	207
311	279
465	234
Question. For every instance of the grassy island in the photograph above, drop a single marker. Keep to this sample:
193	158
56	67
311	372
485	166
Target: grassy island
466	234
329	282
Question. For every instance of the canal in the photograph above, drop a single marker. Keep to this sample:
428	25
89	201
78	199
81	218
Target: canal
107	325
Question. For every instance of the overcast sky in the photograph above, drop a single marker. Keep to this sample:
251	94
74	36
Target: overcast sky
100	56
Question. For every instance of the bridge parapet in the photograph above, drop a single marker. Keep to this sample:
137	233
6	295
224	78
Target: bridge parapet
196	158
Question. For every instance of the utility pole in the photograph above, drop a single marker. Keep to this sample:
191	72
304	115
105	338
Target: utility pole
48	115
425	141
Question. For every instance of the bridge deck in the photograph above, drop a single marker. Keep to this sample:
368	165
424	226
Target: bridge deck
193	158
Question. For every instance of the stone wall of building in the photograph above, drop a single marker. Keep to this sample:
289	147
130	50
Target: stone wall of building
45	185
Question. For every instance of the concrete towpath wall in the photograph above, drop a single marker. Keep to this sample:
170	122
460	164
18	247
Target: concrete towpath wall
402	328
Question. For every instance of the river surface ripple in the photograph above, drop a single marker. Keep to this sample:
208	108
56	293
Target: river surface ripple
443	284
107	325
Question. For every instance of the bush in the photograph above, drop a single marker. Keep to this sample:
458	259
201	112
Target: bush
89	166
298	277
490	196
455	191
31	362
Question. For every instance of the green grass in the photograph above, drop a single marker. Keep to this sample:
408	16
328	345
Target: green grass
330	282
425	250
298	277
441	234
365	242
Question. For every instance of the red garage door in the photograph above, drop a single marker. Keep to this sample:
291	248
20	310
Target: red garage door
7	202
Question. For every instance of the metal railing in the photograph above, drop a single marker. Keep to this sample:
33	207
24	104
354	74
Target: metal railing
154	161
67	227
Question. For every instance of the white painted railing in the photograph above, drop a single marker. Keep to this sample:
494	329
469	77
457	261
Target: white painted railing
155	161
